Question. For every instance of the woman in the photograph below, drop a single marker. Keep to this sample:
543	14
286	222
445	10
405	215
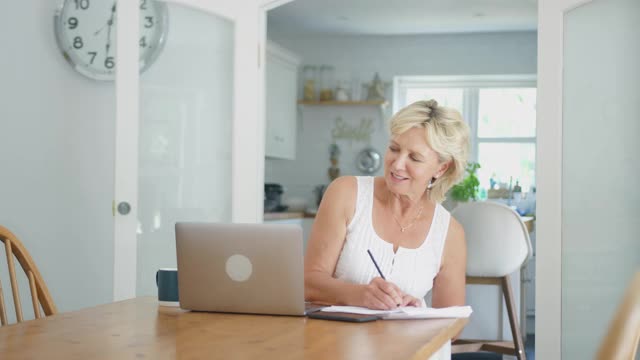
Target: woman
417	245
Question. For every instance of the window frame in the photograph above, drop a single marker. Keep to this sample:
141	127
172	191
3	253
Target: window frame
471	85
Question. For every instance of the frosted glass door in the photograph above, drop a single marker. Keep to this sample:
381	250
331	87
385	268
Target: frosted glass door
600	195
185	127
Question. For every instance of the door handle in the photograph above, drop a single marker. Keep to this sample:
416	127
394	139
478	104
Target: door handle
124	208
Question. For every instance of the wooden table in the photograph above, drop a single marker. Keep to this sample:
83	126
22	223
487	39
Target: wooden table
139	329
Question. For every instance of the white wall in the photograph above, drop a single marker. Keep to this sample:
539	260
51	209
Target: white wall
57	148
56	155
600	169
454	54
358	58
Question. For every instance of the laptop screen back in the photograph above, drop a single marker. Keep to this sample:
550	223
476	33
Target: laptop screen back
240	268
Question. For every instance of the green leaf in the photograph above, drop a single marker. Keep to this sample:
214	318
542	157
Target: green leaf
467	189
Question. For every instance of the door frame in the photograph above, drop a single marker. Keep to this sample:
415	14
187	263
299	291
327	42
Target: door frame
248	161
549	167
548	300
247	143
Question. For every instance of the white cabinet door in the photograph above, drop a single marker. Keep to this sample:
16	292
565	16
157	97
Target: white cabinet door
305	224
281	74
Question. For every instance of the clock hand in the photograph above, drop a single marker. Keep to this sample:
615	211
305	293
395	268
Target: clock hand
110	24
108	40
113	11
99	30
110	21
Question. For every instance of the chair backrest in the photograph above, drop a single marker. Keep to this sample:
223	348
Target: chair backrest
621	341
40	295
497	240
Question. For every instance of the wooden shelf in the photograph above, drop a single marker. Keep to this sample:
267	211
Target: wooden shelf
343	103
379	104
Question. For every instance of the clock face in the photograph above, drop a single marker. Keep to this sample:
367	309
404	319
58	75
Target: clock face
86	34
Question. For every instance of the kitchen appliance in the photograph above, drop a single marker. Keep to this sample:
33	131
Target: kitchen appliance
319	192
273	198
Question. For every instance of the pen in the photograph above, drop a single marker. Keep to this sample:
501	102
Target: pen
376	264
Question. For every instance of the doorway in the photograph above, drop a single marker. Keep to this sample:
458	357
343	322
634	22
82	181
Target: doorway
348	46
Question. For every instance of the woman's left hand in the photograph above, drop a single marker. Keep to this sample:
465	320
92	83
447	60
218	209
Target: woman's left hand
408	300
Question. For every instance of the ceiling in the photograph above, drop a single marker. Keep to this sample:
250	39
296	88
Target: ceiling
403	17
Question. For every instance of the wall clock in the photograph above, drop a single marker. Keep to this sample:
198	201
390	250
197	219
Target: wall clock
86	34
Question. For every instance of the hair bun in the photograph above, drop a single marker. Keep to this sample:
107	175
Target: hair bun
431	104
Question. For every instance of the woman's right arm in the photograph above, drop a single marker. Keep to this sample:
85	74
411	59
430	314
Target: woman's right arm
323	250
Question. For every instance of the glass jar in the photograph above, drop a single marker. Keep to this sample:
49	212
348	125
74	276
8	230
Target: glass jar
326	83
309	74
342	92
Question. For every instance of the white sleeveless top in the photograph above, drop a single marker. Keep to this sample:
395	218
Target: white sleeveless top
413	270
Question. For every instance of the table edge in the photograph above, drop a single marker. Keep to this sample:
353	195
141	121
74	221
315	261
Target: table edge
439	340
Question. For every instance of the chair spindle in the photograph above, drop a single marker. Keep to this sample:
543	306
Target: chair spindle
14	282
3	312
34	295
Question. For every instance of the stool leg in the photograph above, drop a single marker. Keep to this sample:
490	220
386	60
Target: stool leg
513	319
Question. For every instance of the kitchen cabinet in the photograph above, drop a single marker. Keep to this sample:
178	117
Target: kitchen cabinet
529	284
281	112
304	223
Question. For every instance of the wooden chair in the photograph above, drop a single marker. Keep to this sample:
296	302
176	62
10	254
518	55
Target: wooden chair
623	336
40	295
498	244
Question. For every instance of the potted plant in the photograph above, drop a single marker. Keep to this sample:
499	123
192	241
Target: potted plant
467	189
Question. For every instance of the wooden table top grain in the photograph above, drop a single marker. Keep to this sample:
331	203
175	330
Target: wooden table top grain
140	329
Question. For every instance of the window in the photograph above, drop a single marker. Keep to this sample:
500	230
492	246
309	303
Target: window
501	113
446	97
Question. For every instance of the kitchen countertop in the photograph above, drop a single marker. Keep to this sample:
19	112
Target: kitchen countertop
288	215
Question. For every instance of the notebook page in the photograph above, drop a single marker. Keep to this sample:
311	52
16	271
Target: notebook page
430	313
359	310
407	312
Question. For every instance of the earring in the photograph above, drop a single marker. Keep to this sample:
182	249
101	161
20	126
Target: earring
433	179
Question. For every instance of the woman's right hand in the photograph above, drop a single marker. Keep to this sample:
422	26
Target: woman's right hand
380	294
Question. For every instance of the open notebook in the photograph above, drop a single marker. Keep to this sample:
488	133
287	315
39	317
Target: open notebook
406	312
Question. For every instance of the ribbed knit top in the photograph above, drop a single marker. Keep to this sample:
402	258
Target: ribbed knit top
413	270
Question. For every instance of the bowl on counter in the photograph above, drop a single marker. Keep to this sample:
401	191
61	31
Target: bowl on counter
295	204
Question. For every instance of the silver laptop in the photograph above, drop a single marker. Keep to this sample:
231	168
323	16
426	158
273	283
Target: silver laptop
240	268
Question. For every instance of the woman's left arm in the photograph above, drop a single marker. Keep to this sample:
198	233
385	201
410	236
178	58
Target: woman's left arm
449	284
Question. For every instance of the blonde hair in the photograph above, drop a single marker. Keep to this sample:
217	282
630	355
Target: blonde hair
445	132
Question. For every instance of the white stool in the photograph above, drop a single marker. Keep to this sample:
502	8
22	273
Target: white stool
497	245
